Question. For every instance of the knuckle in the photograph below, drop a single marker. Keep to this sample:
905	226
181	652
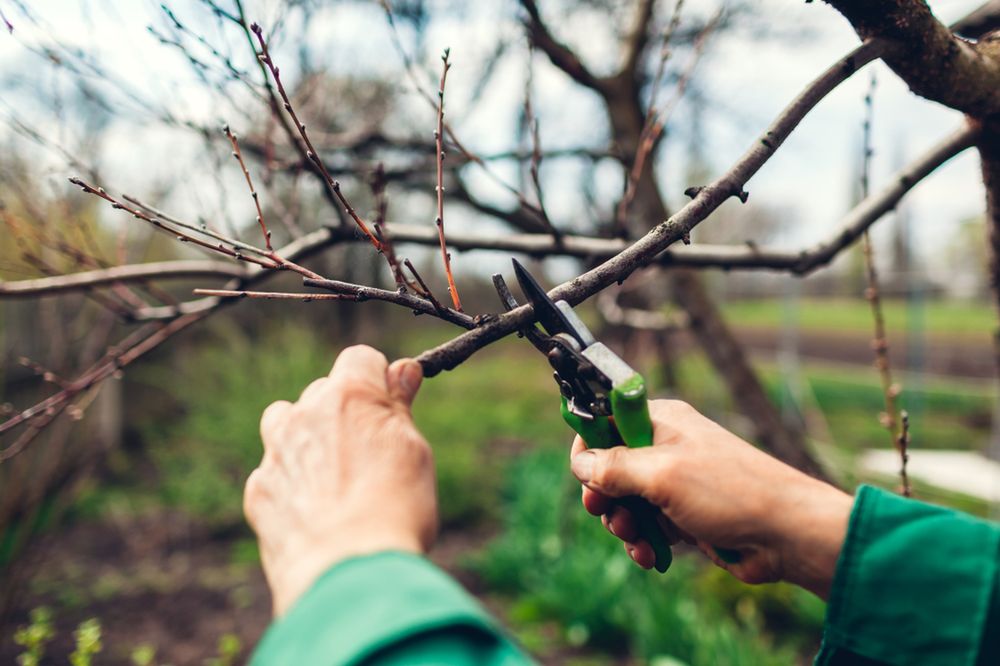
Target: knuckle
315	387
272	421
423	455
364	354
351	394
605	468
272	412
253	493
666	478
676	407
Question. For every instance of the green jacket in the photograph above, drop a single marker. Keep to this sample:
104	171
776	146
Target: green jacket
915	584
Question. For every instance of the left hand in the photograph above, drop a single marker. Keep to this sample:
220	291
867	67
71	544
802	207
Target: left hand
345	473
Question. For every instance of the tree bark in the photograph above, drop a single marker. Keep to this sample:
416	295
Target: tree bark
928	56
989	150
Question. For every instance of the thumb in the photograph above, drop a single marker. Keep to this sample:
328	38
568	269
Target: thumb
618	471
403	378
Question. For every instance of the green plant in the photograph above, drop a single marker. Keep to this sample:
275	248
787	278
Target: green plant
228	650
34	636
473	419
88	642
143	655
221	389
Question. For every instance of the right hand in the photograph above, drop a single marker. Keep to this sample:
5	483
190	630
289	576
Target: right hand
716	490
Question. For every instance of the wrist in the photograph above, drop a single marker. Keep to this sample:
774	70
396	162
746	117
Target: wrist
811	533
303	564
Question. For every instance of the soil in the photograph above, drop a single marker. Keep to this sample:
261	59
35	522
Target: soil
164	581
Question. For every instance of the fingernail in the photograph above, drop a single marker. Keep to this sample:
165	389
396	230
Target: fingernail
631	553
582	465
411	375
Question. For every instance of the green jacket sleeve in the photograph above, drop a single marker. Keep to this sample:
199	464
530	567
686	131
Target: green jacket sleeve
915	584
386	609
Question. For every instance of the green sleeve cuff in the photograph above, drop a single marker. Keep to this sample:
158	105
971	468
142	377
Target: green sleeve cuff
914	585
367	605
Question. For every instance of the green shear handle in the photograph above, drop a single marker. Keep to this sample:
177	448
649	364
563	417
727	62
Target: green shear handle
633	427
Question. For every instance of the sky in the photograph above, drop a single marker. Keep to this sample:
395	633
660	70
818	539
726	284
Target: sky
748	81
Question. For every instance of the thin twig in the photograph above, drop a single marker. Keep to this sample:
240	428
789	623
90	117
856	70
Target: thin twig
253	193
384	237
729	257
163	226
418	305
240	19
423	290
413	72
273	295
880	344
904	452
43	372
127	351
158	270
311	154
531	123
231	247
657	117
439	145
643	251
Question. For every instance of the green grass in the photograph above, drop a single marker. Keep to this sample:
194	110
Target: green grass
499	403
943	413
937	318
203	438
500	448
220	390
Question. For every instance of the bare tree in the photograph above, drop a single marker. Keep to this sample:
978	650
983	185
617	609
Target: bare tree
945	64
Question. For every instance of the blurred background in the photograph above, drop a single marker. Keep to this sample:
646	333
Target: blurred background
121	527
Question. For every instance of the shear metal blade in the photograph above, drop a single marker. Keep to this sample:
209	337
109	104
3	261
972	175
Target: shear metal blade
552	319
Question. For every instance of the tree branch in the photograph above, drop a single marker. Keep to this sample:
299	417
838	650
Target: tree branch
862	216
561	55
989	151
979	22
118	357
130	273
643	251
925	53
419	305
636	44
747	257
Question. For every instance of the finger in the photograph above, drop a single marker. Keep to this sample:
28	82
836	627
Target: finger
272	422
671	418
622	524
641	553
595	503
314	390
579	446
620	471
404	377
673	533
361	364
671	411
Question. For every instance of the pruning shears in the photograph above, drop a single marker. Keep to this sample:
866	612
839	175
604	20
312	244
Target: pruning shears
603	398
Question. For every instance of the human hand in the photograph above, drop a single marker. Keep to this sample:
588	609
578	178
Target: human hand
715	490
345	472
